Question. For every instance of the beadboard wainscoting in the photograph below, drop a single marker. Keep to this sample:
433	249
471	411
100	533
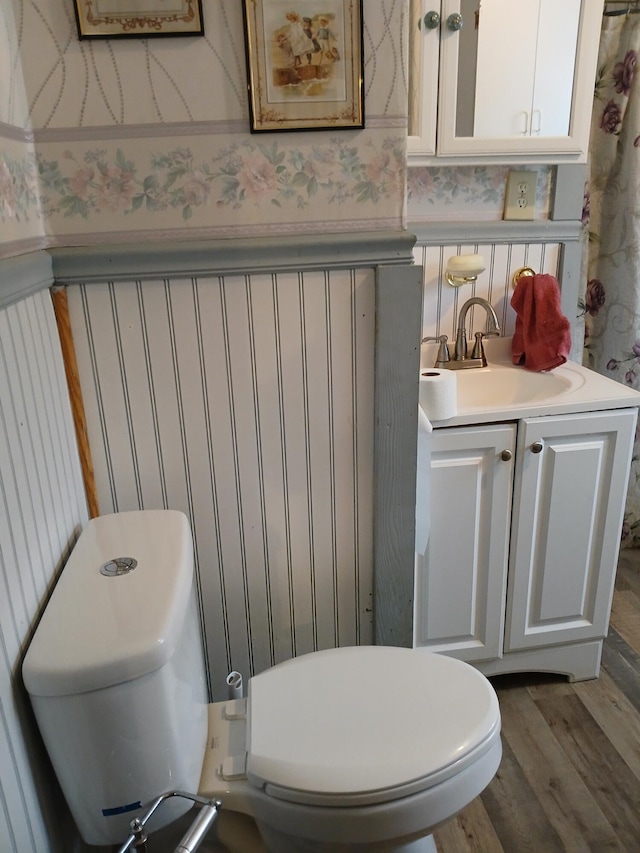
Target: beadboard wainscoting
42	510
246	400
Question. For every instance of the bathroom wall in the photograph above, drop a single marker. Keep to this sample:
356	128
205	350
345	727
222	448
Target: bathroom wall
21	225
469	193
118	140
148	139
104	143
42	510
442	302
246	402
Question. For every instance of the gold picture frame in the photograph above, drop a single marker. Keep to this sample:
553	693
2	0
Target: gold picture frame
138	18
304	64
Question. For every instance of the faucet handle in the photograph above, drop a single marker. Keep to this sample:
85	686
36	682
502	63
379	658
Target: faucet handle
478	347
443	350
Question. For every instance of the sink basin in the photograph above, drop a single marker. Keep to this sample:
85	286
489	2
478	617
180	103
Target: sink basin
504	391
509	387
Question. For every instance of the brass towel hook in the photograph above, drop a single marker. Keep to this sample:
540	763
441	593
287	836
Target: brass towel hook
523	271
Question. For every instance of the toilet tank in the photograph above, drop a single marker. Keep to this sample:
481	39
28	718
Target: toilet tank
116	676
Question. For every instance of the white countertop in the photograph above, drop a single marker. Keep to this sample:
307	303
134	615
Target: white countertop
573	389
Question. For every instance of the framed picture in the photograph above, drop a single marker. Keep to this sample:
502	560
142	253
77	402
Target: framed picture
304	64
138	18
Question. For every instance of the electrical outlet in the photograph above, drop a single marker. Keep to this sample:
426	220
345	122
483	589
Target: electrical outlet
520	199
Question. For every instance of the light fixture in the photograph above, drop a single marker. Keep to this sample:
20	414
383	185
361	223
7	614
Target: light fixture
464	269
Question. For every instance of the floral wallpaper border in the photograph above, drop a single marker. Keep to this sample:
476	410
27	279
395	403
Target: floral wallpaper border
171	184
437	192
76	187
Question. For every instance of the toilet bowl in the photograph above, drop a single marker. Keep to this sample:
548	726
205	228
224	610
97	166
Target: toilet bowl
364	748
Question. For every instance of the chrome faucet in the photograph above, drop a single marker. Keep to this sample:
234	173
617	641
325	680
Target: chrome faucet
460	358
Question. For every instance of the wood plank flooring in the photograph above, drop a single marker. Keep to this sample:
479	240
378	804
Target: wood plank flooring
570	773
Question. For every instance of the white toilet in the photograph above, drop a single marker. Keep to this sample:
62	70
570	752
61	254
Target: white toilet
354	749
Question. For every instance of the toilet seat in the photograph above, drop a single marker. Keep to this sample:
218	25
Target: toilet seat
363	725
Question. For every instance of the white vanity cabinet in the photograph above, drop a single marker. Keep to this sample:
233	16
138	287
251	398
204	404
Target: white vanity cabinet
521	562
513	84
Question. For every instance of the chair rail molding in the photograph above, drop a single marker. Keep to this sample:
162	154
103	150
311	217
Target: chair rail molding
24	275
231	256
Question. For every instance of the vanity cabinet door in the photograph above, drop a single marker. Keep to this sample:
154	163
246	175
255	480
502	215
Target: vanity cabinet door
461	581
569	495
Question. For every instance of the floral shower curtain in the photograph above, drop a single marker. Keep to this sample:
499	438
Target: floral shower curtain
611	302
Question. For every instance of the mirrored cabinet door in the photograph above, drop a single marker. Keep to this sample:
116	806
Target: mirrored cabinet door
514	80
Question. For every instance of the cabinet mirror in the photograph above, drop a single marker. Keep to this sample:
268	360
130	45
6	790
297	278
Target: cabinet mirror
504	79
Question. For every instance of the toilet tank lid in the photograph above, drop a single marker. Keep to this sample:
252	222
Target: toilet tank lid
99	630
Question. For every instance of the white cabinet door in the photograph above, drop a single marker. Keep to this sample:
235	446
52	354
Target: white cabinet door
424	58
461	582
569	496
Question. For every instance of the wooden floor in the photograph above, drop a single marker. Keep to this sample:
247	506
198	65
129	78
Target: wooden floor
570	773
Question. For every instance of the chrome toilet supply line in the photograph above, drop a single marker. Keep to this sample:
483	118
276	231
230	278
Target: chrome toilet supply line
195	834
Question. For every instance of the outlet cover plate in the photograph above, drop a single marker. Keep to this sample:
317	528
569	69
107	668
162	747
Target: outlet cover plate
520	198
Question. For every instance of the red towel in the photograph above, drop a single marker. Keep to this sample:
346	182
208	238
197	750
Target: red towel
542	338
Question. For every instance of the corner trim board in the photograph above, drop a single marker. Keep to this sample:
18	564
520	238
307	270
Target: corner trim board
24	275
397	369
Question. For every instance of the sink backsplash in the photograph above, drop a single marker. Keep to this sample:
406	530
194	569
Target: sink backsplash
441	302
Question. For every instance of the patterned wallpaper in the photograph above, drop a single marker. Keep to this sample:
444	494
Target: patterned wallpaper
20	212
468	192
149	138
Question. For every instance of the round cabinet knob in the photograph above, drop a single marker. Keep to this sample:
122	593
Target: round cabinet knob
454	21
506	455
432	20
536	447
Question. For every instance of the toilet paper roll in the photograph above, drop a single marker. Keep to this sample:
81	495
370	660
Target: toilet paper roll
438	394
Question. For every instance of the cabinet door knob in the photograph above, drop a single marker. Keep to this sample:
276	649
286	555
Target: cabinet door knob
536	447
454	21
506	455
431	20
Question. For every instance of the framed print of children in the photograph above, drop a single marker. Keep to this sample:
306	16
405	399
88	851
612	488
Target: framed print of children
304	64
299	37
302	38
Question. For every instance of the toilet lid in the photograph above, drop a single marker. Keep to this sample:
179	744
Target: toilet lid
366	724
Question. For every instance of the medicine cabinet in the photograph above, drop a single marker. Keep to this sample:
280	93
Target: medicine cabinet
498	81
